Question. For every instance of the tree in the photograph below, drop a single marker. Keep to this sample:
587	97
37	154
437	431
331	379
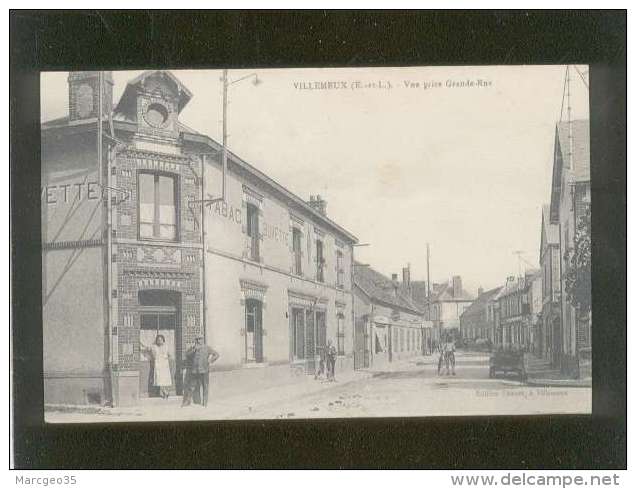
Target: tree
578	283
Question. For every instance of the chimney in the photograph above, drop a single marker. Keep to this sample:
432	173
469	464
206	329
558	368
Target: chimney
394	282
83	94
457	286
318	204
480	291
406	277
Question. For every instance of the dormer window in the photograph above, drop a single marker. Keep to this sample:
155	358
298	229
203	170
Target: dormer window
154	101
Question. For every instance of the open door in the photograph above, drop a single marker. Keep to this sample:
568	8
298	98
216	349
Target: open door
159	314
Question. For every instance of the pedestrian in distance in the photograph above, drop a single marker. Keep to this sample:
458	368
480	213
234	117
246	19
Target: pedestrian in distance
450	357
331	361
200	357
442	357
161	358
321	364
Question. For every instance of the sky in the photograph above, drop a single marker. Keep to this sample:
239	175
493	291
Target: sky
464	168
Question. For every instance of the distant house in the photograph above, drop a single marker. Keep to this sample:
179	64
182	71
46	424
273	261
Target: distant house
444	307
514	316
388	324
478	320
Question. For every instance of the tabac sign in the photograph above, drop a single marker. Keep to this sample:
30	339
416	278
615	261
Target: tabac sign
234	214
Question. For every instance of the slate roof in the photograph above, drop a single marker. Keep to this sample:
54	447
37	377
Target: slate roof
481	302
512	287
551	230
581	147
419	291
184	94
561	171
381	288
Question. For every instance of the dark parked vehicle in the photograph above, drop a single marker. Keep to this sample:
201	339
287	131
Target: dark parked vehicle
507	361
482	345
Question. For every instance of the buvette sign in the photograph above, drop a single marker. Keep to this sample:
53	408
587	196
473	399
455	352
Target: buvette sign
70	192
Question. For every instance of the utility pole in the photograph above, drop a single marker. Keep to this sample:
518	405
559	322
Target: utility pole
225	85
570	140
428	275
224	148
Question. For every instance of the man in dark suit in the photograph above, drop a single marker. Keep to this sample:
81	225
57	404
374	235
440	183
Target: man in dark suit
198	361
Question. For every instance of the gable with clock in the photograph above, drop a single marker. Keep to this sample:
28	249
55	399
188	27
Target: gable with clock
154	100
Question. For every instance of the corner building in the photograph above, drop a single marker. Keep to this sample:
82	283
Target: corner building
130	251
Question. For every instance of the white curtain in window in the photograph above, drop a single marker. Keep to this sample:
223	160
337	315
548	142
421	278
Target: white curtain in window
167	210
146	204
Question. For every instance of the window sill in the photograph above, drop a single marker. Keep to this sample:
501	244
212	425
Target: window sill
255	364
159	241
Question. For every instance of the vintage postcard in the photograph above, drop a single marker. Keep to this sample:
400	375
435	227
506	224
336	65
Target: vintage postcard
315	243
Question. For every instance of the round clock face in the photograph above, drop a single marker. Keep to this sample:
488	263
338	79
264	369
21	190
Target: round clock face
84	100
157	115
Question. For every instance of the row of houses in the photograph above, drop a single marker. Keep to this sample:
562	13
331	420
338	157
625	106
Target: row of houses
146	231
534	311
507	315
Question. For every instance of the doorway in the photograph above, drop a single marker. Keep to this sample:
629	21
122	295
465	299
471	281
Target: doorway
361	352
253	331
159	314
305	336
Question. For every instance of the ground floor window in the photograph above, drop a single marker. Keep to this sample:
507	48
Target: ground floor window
321	333
380	340
340	333
308	333
298	333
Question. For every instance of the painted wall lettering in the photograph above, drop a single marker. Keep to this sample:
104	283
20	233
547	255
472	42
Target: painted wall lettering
230	212
70	192
274	232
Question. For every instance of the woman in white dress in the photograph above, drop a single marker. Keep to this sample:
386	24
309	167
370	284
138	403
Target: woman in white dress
162	377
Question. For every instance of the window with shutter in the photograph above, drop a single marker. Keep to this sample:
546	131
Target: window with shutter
297	251
339	269
320	261
340	334
253	232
